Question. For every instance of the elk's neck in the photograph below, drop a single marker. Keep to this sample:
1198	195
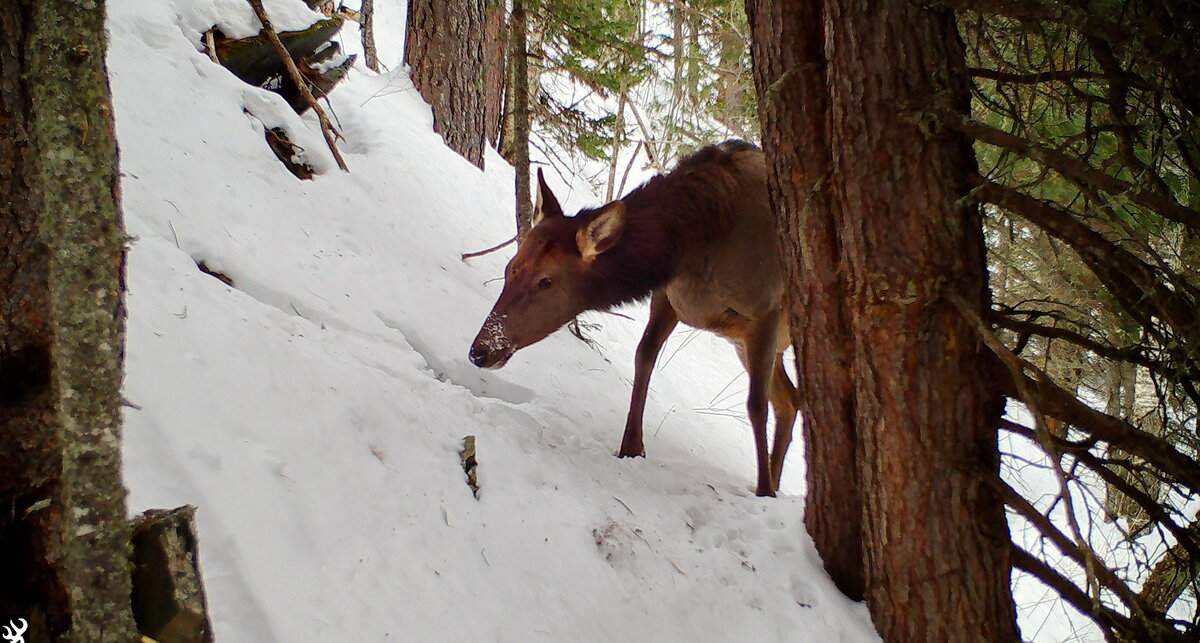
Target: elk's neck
672	217
644	259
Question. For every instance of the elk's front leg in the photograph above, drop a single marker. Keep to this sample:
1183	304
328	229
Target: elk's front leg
662	321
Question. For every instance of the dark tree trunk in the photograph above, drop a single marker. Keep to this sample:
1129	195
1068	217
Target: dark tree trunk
793	103
64	539
936	541
519	99
444	46
495	53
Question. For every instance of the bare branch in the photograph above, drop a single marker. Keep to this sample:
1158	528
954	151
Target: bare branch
1132	354
1076	169
480	253
1107	619
1137	285
1078	551
1152	43
1056	75
1044	396
301	84
1118	109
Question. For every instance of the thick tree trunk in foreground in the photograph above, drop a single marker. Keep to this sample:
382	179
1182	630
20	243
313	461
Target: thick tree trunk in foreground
936	540
444	46
64	539
793	101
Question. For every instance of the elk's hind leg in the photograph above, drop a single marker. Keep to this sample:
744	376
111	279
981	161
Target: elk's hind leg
759	360
783	400
662	321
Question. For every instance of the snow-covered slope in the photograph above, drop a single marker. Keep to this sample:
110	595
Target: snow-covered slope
314	412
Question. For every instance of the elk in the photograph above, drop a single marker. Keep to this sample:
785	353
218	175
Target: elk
700	242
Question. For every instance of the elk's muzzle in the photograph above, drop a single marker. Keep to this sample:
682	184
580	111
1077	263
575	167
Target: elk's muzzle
491	348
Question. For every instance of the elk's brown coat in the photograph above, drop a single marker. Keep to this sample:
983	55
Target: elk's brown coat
700	242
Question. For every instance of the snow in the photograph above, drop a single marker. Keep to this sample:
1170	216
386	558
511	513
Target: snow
315	411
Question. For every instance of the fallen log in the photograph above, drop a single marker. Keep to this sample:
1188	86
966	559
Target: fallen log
254	59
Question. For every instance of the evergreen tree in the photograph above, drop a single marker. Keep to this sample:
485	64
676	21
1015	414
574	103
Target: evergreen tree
1085	126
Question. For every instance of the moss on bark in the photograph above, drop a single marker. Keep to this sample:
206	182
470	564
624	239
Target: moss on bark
65	298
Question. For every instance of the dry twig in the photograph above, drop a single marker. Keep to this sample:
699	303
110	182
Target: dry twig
480	253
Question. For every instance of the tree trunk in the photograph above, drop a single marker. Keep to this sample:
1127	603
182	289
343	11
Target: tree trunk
64	540
367	27
519	98
617	142
936	541
495	54
1174	573
444	47
1124	402
730	85
789	72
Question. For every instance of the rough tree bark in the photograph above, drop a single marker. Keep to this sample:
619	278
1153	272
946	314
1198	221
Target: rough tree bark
367	27
1171	576
64	540
519	98
443	45
936	542
495	54
793	102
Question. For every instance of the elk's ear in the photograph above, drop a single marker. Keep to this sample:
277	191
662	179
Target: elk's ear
545	206
602	232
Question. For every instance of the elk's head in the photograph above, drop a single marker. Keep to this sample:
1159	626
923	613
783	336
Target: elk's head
550	280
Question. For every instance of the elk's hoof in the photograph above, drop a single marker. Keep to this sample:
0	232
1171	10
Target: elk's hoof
767	492
631	453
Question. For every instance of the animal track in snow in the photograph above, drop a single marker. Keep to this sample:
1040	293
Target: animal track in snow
459	372
616	544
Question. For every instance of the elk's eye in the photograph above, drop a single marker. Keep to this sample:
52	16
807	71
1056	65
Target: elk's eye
544	283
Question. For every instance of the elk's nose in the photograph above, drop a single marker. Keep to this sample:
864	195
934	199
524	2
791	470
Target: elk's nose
477	355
